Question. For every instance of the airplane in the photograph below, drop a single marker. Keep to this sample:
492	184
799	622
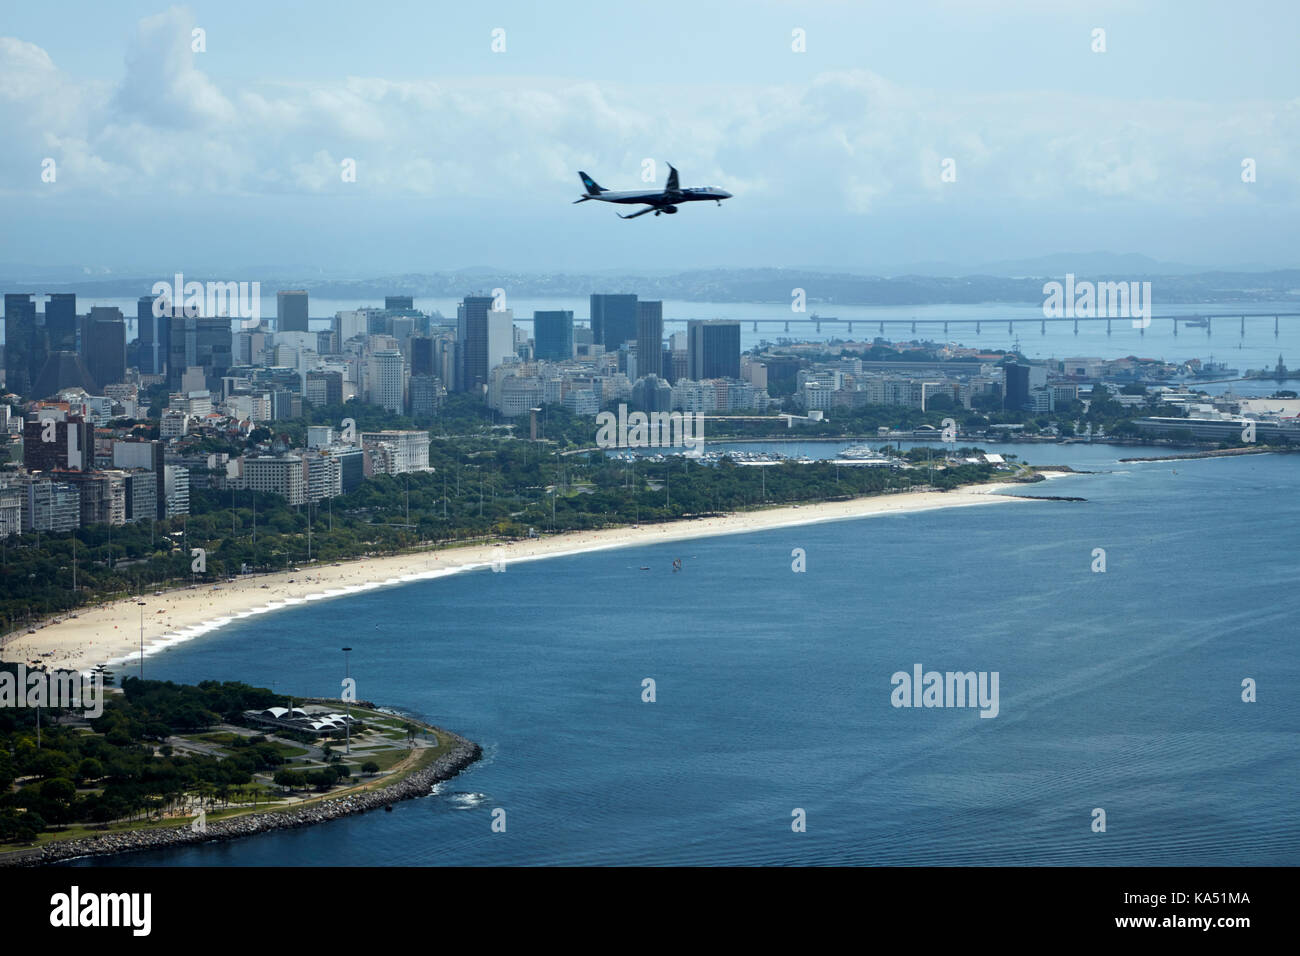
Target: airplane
657	201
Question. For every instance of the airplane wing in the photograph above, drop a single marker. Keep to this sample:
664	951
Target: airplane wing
635	214
674	184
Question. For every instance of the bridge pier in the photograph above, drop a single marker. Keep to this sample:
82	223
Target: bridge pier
1243	326
1108	326
787	325
850	328
977	328
945	328
914	326
1042	328
1275	326
882	328
819	327
1076	326
1009	329
1175	326
755	326
1209	326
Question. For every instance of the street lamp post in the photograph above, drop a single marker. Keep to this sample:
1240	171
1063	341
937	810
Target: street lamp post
347	673
141	603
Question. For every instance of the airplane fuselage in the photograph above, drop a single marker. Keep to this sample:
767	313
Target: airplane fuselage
659	197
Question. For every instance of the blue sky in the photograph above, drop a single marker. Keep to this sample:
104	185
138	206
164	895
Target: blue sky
229	159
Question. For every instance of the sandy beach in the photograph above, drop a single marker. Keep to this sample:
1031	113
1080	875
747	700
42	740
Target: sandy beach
110	634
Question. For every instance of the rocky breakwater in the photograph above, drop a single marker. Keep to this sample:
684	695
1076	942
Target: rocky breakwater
416	784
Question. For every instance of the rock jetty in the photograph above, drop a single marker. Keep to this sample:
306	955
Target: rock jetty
417	784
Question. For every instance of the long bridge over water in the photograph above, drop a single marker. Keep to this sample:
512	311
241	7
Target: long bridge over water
1190	320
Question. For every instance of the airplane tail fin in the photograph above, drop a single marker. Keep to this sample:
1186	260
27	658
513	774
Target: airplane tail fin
673	183
593	188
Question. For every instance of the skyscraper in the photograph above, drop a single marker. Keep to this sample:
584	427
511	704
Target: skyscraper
421	356
291	311
713	349
24	343
553	335
387	379
613	320
1016	390
398	303
155	336
199	342
103	346
61	322
650	339
484	339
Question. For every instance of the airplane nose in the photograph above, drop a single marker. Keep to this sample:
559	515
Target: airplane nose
725	194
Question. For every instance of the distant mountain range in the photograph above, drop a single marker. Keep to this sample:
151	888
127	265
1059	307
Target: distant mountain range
1010	281
1131	264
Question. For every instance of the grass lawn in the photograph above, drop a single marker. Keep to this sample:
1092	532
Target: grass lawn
227	739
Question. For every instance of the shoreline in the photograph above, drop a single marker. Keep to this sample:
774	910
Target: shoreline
418	783
111	633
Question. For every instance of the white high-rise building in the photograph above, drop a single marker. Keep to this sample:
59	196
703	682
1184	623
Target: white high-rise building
324	477
351	324
386	378
176	487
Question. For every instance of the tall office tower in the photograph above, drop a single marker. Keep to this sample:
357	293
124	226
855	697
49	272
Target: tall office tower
422	356
387	380
650	339
24	343
484	339
403	327
613	320
444	359
399	303
202	342
103	346
252	345
154	333
424	396
291	311
61	322
713	349
324	387
1016	390
553	336
348	325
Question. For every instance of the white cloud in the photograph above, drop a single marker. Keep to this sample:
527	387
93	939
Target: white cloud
849	140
